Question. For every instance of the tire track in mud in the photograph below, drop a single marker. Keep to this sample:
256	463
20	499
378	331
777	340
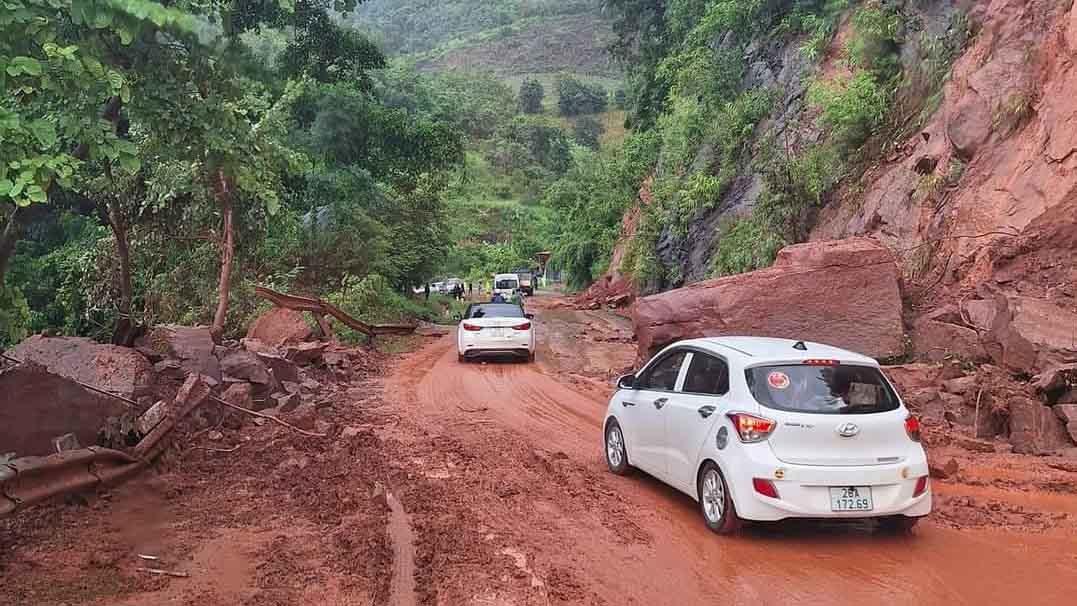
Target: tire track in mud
402	539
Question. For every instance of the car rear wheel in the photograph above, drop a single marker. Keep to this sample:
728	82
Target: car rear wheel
715	502
616	455
530	356
461	358
898	524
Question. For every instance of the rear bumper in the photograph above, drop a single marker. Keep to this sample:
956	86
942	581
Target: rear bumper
478	353
804	490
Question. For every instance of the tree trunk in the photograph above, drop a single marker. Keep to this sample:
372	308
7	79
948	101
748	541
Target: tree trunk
7	242
224	195
122	333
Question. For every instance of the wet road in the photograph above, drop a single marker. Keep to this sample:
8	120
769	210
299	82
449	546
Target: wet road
658	551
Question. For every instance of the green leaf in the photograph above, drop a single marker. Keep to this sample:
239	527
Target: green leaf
131	164
35	194
115	81
24	65
44	131
5	186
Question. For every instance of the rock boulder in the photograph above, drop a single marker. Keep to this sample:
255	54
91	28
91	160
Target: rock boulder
38	406
842	292
279	326
116	369
1035	428
192	346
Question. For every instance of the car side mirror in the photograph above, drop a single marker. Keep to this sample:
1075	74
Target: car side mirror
626	382
529	316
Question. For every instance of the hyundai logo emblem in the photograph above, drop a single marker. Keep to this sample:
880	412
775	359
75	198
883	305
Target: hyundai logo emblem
847	430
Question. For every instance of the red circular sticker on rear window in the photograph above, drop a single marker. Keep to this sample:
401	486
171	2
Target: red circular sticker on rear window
778	380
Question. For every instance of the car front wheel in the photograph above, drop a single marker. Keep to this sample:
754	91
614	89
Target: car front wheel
716	503
616	455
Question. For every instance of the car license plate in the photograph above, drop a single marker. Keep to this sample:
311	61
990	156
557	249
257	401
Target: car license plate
850	498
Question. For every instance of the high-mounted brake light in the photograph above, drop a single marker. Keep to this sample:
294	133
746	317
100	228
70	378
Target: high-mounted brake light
817	362
921	486
751	428
524	326
912	427
472	327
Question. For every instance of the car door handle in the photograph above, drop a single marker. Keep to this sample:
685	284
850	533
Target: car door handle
627	403
660	402
706	411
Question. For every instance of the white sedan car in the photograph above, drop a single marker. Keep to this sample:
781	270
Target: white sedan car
496	329
767	429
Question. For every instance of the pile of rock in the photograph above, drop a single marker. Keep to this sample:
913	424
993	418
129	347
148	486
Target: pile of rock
275	370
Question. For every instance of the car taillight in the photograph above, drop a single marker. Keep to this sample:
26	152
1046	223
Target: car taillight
524	326
751	428
472	327
817	362
921	486
765	487
912	427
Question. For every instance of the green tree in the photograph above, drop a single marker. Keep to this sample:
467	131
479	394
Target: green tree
575	97
587	130
531	95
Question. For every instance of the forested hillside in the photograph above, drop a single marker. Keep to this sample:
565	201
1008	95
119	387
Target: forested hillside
159	162
764	112
507	37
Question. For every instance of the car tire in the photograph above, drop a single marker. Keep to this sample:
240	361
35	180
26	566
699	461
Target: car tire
530	356
715	502
461	358
898	524
616	453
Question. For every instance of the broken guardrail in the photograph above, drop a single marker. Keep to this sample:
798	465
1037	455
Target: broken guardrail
320	309
29	480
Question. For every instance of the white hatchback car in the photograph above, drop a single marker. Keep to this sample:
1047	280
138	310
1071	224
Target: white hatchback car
496	329
767	429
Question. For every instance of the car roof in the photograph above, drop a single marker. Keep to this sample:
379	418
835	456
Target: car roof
760	350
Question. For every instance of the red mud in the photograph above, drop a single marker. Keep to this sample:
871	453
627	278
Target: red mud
499	470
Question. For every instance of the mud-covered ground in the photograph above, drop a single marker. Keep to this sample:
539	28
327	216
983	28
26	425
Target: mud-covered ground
484	484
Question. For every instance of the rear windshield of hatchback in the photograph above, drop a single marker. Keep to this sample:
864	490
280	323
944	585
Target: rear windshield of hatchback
832	389
495	310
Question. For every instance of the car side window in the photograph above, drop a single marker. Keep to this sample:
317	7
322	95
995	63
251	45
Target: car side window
663	375
706	375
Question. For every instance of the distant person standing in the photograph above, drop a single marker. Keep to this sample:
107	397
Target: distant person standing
426	290
497	298
470	290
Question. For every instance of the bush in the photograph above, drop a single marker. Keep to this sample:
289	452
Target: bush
851	110
575	97
531	94
746	244
14	316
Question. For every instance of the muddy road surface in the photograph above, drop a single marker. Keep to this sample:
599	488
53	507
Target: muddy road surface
483	484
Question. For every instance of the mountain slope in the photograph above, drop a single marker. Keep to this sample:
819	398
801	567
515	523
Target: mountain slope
506	37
